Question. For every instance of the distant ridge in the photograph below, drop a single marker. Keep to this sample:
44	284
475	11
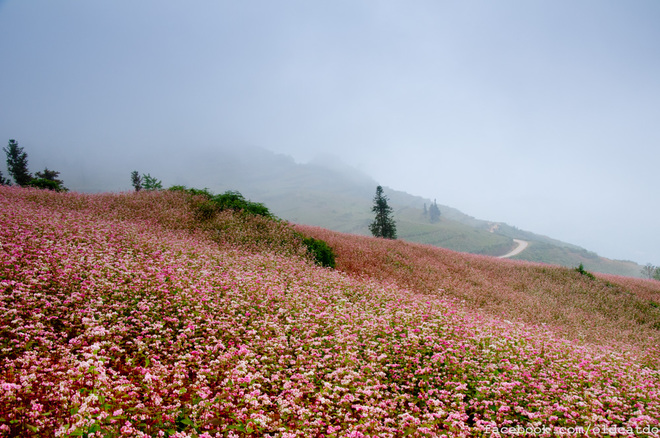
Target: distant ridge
328	193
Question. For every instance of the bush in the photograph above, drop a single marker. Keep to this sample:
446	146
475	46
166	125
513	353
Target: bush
258	224
235	201
42	183
580	269
202	192
321	251
229	200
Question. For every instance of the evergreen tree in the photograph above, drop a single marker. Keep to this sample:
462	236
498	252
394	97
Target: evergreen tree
17	163
434	212
383	224
136	180
48	180
151	183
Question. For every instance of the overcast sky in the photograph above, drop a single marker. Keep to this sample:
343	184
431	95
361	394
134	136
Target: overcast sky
541	114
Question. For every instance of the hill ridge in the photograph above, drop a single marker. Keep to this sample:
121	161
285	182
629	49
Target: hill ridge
327	192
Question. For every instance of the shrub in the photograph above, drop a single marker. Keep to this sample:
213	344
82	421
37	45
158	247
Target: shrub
192	191
584	272
42	183
321	251
235	201
229	200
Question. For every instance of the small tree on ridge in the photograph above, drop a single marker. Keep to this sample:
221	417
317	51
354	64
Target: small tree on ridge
17	163
383	224
150	183
136	180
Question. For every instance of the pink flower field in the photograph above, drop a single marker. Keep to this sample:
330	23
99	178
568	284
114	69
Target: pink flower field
122	315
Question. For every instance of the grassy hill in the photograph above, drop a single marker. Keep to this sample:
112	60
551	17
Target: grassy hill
330	194
134	315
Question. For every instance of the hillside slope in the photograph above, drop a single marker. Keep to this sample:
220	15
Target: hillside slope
605	309
128	315
328	193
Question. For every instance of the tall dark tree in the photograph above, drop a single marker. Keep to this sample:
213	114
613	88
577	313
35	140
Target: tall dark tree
434	212
383	224
17	163
136	180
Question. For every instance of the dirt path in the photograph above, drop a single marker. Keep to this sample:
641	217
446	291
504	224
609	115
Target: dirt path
522	244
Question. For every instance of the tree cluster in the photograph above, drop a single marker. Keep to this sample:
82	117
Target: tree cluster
433	213
649	271
17	166
145	182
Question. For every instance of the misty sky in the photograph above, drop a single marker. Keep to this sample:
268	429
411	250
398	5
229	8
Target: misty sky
541	114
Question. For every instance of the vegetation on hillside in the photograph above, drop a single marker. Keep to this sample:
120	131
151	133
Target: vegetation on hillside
650	271
128	315
217	213
17	164
577	306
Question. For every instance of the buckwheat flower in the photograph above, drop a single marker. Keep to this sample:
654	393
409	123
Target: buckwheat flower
6	386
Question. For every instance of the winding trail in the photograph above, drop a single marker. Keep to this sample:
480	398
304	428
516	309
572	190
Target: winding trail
522	244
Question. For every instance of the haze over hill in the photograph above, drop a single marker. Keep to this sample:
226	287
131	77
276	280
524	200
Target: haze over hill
540	114
329	193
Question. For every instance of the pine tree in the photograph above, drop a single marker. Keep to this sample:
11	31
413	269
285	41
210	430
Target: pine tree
136	180
383	224
150	183
17	163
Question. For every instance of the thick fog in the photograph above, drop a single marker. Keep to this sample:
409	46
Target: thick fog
543	115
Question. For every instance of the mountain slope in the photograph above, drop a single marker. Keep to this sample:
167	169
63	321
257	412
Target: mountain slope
126	314
330	194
